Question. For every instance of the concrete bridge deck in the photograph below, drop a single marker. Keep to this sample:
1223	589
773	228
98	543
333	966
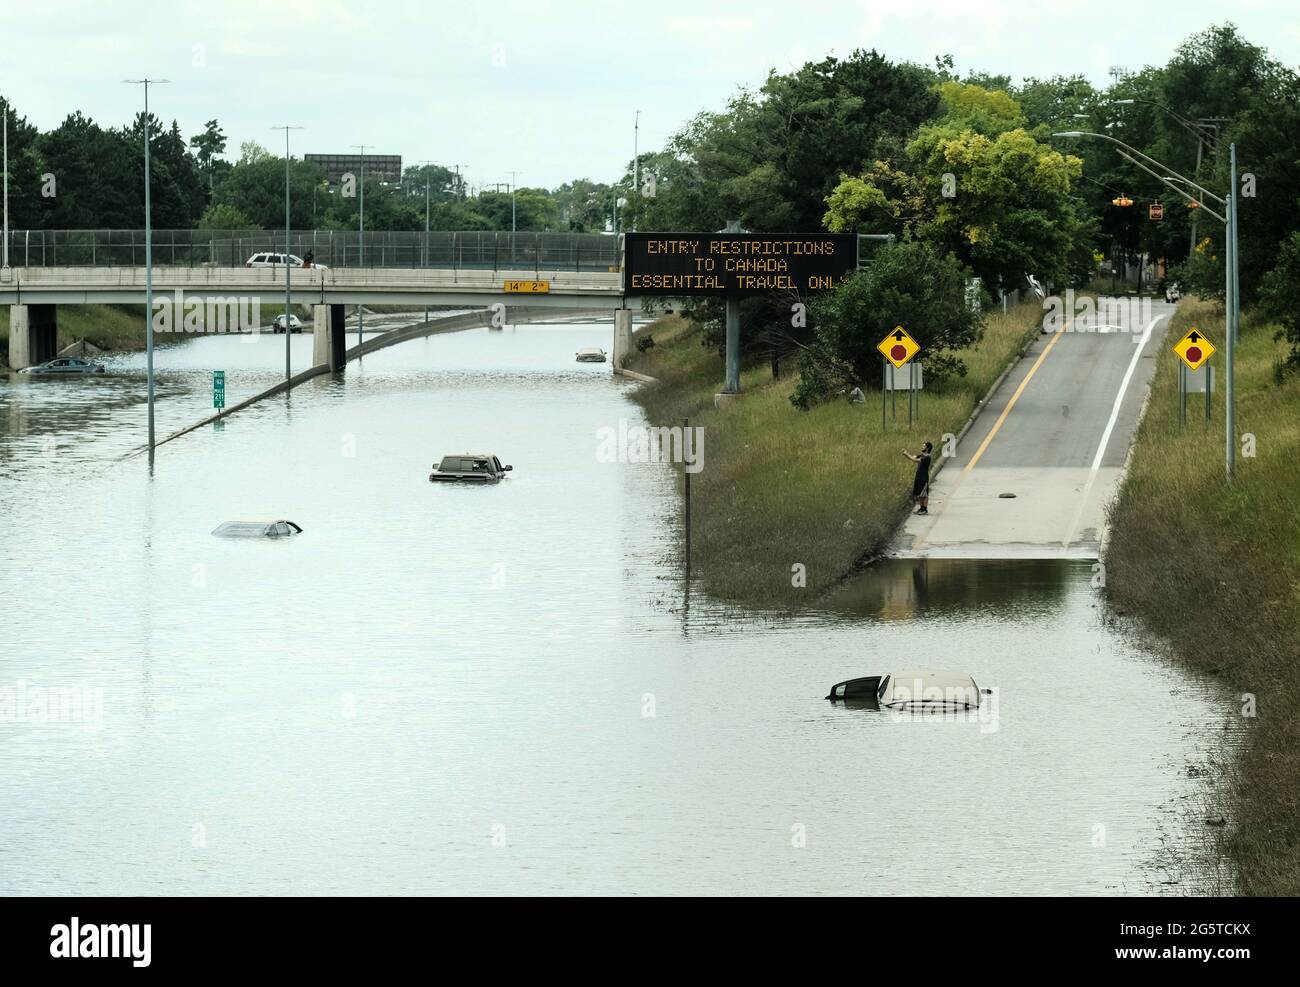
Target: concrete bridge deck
344	286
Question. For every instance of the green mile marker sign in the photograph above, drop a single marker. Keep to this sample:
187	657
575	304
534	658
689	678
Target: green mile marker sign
218	388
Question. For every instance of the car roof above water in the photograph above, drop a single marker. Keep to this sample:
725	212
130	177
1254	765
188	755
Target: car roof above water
249	529
929	685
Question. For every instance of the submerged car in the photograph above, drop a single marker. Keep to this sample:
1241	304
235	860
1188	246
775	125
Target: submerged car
65	365
295	323
470	468
256	529
911	689
591	354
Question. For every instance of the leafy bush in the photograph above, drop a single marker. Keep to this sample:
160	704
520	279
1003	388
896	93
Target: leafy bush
1281	299
908	284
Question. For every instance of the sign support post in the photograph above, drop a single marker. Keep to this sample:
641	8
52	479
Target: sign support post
884	382
1194	351
732	384
898	348
1182	395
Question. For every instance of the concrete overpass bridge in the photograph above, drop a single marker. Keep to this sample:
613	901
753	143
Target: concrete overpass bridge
34	294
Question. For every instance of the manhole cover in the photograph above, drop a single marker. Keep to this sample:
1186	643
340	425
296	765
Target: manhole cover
1006	496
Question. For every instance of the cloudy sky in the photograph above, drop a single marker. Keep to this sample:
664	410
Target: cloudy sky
545	89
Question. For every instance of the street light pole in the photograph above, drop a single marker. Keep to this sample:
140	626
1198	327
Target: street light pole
514	177
5	262
148	256
425	165
636	158
362	230
287	266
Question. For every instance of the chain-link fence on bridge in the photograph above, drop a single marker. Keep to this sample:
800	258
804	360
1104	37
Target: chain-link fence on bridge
473	250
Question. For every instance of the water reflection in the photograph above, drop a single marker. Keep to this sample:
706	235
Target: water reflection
899	589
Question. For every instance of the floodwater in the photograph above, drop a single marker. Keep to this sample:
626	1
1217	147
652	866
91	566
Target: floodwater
441	689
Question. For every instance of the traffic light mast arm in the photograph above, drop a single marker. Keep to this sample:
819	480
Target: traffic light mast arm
1172	186
1146	157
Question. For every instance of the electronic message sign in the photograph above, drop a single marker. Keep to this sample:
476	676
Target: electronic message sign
735	263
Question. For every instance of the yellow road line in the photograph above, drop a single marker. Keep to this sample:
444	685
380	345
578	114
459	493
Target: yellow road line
1012	403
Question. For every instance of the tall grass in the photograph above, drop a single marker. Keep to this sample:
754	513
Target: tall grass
825	488
1214	568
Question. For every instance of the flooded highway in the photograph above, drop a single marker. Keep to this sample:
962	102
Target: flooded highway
442	689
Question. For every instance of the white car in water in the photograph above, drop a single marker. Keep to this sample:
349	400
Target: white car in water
911	689
295	323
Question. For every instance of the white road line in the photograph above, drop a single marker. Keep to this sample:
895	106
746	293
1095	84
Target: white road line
1110	427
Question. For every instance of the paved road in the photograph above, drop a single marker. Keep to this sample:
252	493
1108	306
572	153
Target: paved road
1055	434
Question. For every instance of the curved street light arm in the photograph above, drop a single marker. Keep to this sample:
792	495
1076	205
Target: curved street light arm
1201	131
1174	187
1133	150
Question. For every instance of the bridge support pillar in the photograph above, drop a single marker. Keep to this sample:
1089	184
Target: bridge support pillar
328	342
33	335
622	336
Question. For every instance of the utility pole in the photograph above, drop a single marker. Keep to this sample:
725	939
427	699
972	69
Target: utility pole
288	268
148	256
362	225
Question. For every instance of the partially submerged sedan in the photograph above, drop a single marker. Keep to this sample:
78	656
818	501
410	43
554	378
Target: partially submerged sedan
256	529
910	689
469	468
65	365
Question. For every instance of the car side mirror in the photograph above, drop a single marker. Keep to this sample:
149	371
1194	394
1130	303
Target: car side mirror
507	468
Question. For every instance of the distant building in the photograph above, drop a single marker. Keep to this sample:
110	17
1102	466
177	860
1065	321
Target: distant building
385	167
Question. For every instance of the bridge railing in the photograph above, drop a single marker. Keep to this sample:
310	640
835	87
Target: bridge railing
469	250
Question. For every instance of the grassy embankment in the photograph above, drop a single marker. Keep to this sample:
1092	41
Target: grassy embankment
1215	569
110	327
826	488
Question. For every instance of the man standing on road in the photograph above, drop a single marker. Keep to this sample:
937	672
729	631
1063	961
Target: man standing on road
921	485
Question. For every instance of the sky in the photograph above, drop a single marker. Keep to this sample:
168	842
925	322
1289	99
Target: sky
547	90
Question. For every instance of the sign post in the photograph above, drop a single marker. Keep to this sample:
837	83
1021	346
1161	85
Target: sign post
218	389
897	348
1194	349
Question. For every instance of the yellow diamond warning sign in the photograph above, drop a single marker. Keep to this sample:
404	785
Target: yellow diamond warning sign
1194	349
898	347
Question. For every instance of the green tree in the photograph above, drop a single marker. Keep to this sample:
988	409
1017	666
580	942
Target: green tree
1281	297
977	185
772	156
207	146
223	216
911	284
